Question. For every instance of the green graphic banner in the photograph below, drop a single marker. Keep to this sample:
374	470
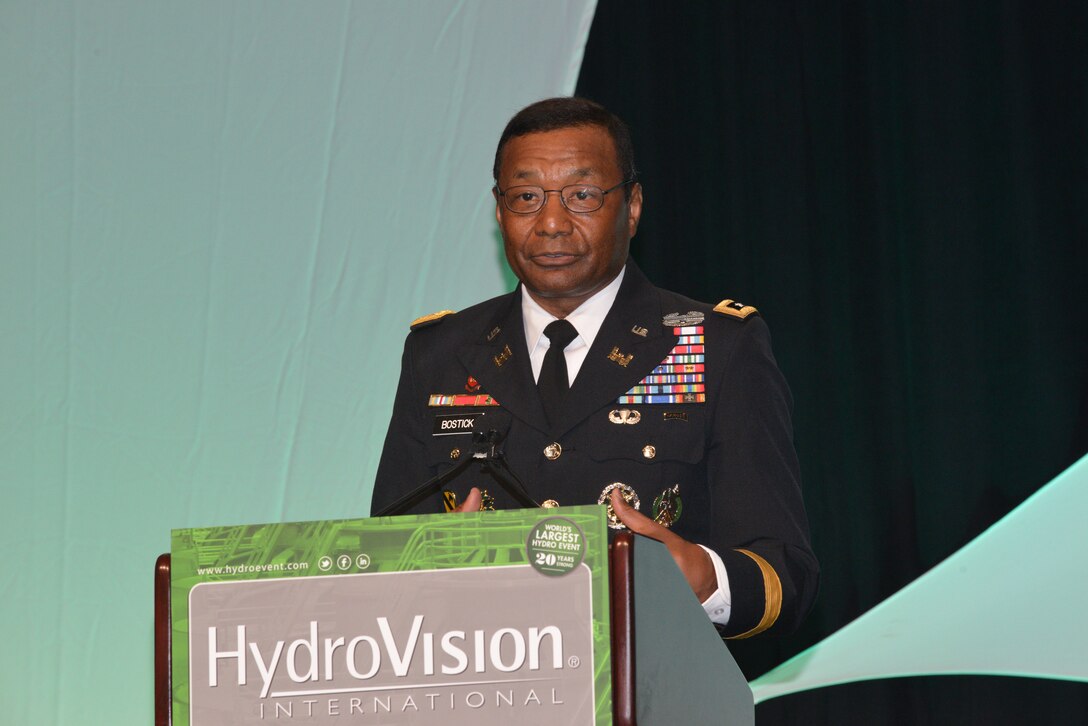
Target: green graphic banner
484	618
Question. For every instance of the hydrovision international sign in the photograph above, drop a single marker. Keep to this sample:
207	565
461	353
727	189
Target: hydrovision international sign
484	618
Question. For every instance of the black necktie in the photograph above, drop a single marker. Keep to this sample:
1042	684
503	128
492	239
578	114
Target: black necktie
552	383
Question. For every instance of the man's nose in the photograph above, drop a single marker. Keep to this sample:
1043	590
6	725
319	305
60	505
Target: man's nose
553	218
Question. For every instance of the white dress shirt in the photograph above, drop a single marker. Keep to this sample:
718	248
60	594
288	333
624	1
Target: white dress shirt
587	319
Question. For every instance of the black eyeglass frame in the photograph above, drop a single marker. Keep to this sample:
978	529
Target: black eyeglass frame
562	200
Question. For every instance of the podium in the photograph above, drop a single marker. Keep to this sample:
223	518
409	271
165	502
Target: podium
668	664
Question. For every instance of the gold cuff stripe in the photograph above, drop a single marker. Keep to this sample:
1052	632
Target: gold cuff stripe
772	593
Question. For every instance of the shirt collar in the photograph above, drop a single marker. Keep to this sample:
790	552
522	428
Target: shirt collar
587	318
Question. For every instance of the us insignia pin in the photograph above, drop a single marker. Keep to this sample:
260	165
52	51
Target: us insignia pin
492	334
639	330
619	358
680	320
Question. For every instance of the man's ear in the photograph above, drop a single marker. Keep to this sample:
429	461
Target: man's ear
634	209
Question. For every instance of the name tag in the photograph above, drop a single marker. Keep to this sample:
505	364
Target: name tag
455	423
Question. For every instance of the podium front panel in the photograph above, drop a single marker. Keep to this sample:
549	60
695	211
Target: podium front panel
488	618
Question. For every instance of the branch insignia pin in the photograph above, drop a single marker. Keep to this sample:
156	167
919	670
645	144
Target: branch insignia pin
503	356
618	357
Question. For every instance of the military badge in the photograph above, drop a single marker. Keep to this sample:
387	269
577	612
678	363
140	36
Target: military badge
487	503
503	356
617	357
691	317
624	416
680	377
629	495
668	506
460	399
734	309
472	385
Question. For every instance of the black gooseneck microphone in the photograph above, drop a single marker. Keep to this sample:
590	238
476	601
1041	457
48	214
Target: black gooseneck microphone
488	433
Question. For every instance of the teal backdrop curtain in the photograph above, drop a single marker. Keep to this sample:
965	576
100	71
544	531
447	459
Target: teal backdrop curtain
217	219
902	190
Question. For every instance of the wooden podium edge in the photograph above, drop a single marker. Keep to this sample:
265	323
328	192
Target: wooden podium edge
621	574
163	715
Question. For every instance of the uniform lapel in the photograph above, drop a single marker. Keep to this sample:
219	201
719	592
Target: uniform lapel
501	365
602	378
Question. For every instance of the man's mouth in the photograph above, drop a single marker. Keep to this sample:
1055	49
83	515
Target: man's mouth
554	259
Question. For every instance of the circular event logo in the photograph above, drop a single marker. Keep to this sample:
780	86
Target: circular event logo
555	546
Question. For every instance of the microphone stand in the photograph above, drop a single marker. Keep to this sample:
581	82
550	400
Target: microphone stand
485	450
495	465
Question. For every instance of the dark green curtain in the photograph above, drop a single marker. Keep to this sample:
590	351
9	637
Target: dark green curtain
901	188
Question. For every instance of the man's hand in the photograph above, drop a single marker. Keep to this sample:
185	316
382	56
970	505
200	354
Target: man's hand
692	559
472	502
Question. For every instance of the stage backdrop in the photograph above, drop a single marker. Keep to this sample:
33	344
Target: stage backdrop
901	188
217	220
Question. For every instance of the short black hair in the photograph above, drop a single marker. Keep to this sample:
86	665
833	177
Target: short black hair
567	112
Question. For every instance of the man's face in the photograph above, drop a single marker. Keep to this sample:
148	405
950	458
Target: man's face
564	257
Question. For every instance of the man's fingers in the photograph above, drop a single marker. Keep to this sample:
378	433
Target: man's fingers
472	501
635	520
693	561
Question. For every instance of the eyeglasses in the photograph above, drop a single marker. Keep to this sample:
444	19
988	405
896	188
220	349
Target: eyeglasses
580	198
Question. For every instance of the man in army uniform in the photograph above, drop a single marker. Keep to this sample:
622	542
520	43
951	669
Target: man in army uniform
608	388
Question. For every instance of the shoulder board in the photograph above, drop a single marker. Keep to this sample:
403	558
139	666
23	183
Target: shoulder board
734	309
431	319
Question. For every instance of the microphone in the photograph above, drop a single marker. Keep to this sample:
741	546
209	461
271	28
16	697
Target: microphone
489	430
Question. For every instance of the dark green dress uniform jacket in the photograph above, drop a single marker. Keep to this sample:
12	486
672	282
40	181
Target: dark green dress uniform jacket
732	455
